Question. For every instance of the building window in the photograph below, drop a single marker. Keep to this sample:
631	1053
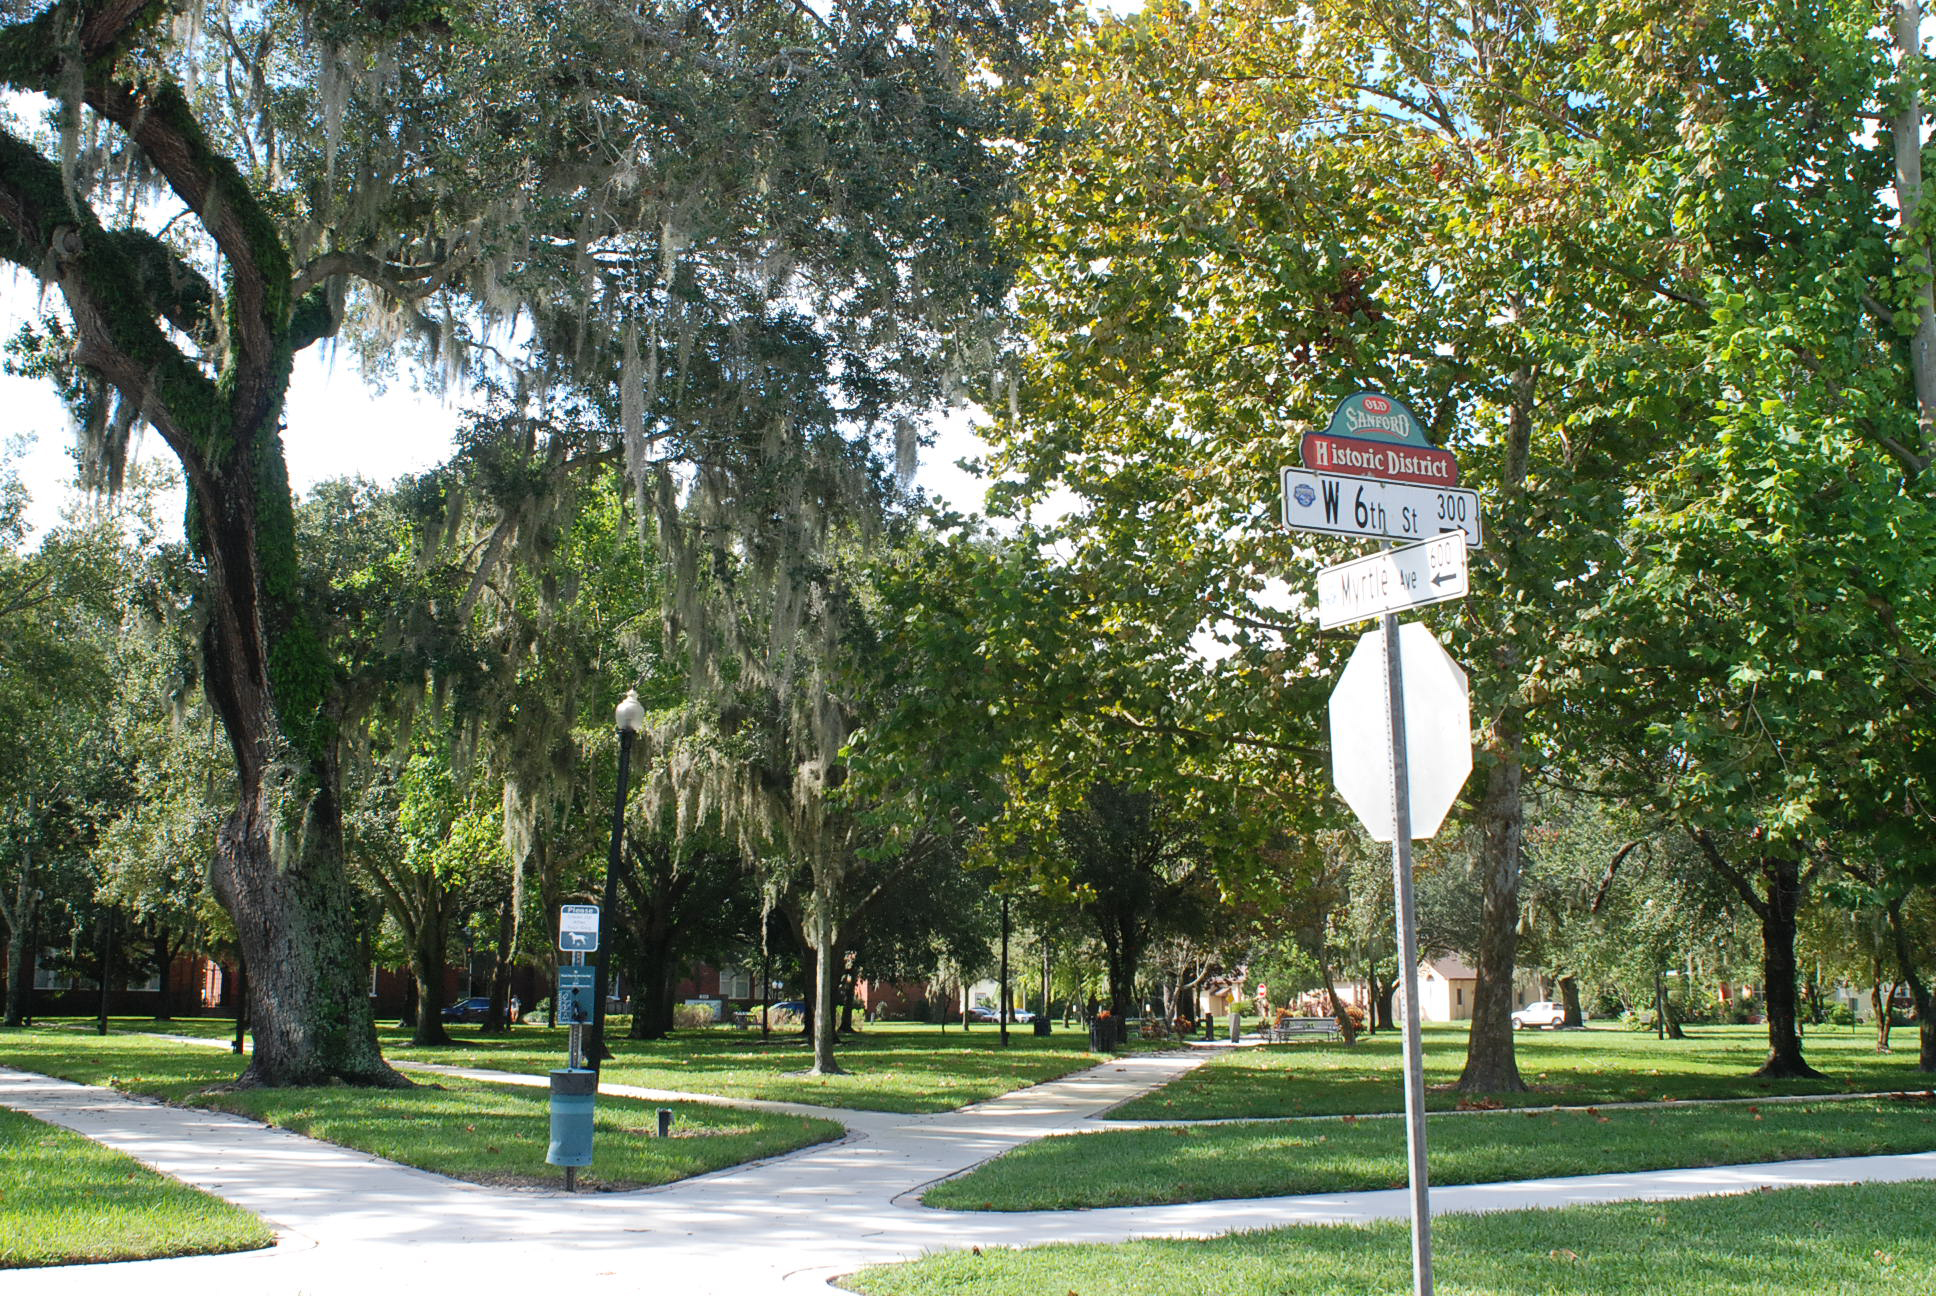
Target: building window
735	983
1461	993
46	978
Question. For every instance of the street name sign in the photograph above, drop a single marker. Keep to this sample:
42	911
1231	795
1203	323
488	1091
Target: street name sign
1437	728
1383	510
1407	577
578	928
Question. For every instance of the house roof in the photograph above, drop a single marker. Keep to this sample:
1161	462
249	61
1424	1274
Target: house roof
1453	968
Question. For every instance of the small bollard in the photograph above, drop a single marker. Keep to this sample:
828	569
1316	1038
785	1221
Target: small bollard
665	1122
573	1093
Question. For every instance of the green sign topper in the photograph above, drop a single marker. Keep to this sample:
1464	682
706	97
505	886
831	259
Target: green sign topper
1369	414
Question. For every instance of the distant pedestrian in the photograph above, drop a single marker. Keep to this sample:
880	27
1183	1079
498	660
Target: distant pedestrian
514	1010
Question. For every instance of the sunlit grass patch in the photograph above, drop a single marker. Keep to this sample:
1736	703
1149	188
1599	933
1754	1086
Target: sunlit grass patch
1598	1065
1861	1240
466	1129
1213	1162
65	1199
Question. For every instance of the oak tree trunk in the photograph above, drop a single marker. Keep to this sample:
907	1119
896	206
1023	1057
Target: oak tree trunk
1666	1025
1490	1064
279	866
1570	1002
278	870
164	957
826	984
427	969
1779	974
20	945
497	1019
1919	992
1338	1013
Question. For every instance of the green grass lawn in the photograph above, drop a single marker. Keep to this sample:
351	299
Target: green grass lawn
485	1133
1597	1065
1863	1240
1212	1162
896	1067
66	1200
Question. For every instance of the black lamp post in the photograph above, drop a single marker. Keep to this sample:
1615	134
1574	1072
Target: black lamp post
1005	998
630	719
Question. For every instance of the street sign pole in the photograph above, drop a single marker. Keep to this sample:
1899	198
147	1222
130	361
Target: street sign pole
1401	798
574	1056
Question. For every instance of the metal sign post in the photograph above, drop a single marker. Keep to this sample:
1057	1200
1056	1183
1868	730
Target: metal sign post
1382	479
1401	802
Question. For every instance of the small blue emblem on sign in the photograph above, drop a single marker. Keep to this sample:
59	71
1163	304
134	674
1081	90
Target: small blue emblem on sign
1304	495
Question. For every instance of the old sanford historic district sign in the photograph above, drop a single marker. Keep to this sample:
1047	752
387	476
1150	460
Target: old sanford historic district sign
1372	473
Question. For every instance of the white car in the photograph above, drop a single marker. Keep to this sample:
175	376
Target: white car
1543	1015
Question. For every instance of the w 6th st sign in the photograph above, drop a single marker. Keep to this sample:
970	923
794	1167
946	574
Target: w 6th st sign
1381	510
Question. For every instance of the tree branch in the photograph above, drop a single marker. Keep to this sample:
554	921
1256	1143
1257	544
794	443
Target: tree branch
1606	882
162	122
45	235
1737	879
1241	740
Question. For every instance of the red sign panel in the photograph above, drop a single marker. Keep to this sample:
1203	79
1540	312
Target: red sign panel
1386	460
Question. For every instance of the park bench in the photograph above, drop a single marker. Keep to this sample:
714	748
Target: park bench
1294	1028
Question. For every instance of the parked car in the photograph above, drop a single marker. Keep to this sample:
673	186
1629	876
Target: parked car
468	1010
1544	1015
1016	1016
796	1006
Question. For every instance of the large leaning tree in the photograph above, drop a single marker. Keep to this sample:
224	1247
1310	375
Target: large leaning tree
193	335
211	190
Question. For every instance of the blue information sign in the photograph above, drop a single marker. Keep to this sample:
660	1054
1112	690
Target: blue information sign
575	995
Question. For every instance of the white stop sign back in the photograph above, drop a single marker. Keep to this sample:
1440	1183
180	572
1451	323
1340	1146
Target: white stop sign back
1438	731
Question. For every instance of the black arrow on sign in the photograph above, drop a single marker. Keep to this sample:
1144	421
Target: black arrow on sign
1443	577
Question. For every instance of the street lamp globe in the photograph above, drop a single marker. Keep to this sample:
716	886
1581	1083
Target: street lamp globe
631	715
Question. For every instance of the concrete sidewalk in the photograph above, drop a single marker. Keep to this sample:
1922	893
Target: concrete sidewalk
354	1225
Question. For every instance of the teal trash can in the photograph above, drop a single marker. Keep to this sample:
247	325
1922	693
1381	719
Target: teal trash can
572	1096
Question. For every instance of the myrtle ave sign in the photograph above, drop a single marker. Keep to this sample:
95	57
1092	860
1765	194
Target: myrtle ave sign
1414	576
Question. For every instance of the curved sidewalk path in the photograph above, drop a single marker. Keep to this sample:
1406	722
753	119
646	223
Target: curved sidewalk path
354	1225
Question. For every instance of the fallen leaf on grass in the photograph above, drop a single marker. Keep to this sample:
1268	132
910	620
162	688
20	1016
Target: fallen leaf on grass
1561	1253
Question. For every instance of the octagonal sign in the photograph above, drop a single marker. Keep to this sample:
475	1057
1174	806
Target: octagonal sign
1438	731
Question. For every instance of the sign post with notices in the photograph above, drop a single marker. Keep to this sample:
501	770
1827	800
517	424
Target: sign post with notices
1372	473
574	1089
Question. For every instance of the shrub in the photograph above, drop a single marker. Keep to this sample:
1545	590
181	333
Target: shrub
692	1016
1841	1015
